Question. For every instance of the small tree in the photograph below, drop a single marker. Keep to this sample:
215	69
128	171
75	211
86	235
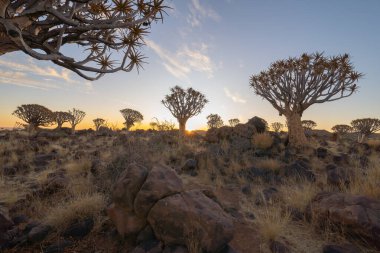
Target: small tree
342	130
45	29
365	127
233	122
76	116
293	85
34	115
60	118
99	122
308	124
184	104
214	121
277	126
131	117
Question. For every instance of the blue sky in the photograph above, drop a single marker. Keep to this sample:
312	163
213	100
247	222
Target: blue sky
214	46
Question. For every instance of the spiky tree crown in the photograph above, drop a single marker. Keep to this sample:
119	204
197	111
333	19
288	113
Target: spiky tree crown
366	126
34	114
214	121
131	117
43	29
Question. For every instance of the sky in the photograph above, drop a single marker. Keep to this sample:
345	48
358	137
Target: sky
213	46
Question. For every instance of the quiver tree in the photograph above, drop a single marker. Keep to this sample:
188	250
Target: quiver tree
277	126
60	118
184	104
131	117
34	115
308	124
342	130
98	122
44	29
214	121
293	85
233	122
365	127
76	116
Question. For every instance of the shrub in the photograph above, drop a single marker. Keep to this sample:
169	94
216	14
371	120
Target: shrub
262	141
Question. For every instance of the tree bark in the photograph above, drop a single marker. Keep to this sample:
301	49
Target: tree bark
182	126
295	130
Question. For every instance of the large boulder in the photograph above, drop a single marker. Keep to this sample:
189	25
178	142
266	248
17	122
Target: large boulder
127	186
359	215
189	217
161	182
125	220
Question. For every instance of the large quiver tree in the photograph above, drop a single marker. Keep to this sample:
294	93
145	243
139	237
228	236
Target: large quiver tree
131	117
43	29
76	116
60	118
293	85
184	104
34	115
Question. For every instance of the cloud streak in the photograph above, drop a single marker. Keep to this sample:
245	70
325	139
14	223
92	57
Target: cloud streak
185	61
33	76
234	96
198	13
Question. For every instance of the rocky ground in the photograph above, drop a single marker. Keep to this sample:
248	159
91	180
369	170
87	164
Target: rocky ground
229	190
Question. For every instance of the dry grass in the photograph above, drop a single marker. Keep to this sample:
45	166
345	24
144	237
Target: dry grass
374	143
272	222
298	194
89	205
262	141
366	181
269	164
75	168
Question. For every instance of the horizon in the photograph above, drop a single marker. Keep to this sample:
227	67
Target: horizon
214	47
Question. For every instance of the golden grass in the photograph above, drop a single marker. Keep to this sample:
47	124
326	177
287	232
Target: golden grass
269	164
75	168
262	141
272	222
374	143
366	181
298	194
82	206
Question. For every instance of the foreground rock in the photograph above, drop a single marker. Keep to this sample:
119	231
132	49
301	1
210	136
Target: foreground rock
359	215
157	200
191	216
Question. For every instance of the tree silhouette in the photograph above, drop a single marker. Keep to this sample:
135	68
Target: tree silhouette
365	127
76	116
308	124
44	29
34	115
184	104
131	117
293	85
98	122
60	118
277	126
342	130
214	121
233	122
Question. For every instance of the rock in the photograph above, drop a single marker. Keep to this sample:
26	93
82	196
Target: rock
337	176
345	248
146	234
268	195
161	181
79	229
42	160
151	246
58	247
128	185
358	215
38	233
228	249
190	167
321	153
278	247
125	220
201	220
246	189
253	173
301	170
20	219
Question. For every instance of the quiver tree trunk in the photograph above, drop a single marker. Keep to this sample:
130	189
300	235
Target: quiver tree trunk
182	126
295	130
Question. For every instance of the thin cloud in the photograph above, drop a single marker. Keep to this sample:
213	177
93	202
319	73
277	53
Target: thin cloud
33	76
200	12
234	96
185	60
